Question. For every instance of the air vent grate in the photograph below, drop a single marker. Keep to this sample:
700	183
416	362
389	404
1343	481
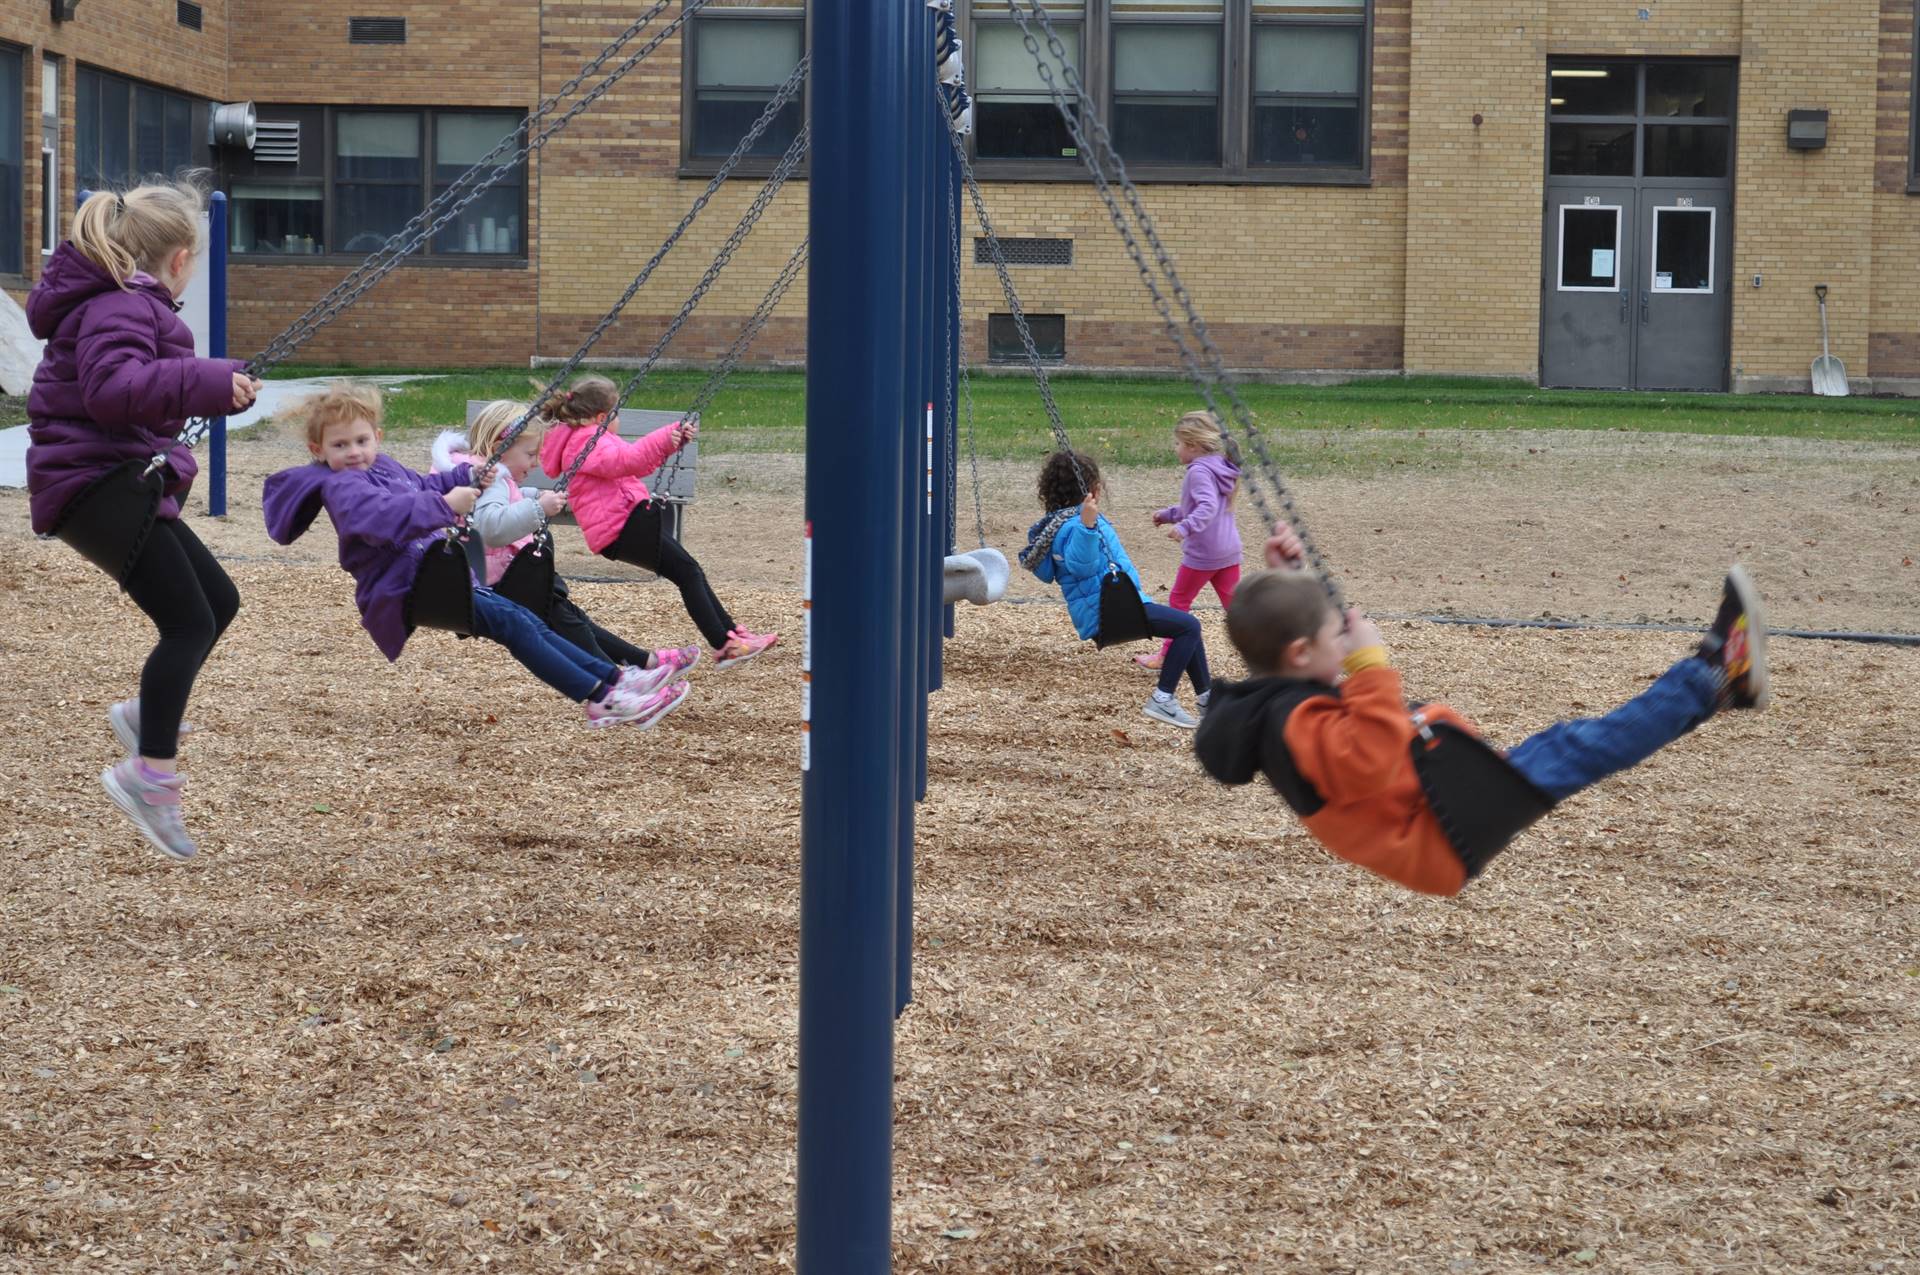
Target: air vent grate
376	30
1026	252
277	142
189	14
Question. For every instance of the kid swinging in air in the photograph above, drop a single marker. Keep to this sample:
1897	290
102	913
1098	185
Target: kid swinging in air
1324	717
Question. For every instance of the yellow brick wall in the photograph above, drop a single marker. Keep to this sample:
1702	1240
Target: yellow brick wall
1805	217
1473	190
470	53
1895	327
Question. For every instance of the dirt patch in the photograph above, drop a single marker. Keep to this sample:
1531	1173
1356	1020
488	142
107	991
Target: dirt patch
456	980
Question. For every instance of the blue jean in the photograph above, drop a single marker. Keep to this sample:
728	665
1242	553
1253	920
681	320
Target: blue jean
1569	756
549	657
1187	653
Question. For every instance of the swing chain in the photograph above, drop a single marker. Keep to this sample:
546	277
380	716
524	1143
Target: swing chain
780	98
959	344
748	333
1205	381
430	219
788	163
386	259
1020	317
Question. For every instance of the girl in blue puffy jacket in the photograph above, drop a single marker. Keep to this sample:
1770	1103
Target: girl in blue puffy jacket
1074	546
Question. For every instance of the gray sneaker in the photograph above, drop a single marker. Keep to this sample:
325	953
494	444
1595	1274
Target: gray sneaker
1169	711
153	807
124	717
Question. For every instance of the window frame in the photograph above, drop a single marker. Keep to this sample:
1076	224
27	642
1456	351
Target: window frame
427	120
50	205
23	56
198	112
692	165
1913	108
1219	96
1641	123
1238	24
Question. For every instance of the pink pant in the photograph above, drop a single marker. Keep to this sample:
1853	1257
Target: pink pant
1187	583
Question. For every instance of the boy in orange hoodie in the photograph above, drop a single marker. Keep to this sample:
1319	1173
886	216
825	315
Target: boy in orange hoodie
1341	751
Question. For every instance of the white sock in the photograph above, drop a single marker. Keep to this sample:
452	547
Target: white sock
1162	697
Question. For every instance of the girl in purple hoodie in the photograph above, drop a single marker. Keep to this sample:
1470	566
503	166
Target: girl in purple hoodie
1203	521
116	384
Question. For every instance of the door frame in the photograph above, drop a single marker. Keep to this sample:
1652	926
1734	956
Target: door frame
1552	187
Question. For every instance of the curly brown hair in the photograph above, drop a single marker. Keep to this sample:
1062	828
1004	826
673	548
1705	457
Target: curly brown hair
1061	479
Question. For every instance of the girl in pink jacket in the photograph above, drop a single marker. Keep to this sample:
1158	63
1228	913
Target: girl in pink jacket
1202	523
606	491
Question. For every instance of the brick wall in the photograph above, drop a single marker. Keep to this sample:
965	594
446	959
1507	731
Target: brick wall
1432	267
1893	345
474	53
139	40
1804	217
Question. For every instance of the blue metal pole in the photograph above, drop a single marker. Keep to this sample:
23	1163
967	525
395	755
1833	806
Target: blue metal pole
913	480
851	783
217	347
939	377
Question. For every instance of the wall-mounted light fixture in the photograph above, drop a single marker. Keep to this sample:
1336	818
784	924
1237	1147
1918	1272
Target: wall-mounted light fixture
1806	130
63	10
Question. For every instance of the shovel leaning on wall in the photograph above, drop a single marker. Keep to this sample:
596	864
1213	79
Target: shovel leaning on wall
1829	373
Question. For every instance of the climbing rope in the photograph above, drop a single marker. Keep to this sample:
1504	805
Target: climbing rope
1097	155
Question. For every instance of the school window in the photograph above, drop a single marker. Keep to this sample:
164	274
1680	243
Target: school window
126	132
1049	332
739	57
13	183
1259	90
341	181
50	204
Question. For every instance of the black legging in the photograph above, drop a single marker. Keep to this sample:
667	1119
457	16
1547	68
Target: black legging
571	623
677	565
191	601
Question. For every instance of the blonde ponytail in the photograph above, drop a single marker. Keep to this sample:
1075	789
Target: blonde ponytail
125	233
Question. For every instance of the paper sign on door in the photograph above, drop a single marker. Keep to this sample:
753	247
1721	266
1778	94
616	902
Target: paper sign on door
1662	281
1602	263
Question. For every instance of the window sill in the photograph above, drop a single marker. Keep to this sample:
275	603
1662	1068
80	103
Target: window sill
702	169
991	171
336	261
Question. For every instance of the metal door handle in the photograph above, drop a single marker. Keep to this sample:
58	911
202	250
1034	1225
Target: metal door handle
1643	307
1626	302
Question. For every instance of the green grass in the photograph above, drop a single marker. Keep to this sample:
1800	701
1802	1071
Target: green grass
13	411
1126	421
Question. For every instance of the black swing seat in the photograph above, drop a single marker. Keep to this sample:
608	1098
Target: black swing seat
1481	801
108	523
1123	616
638	543
442	593
530	579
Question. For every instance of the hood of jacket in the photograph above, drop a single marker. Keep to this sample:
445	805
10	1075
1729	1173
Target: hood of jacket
1224	473
291	500
1233	737
450	449
69	280
553	447
1037	557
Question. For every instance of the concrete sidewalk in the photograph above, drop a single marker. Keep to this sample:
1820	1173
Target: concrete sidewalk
274	396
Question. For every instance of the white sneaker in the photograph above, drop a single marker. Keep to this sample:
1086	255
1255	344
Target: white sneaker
124	717
1168	710
153	807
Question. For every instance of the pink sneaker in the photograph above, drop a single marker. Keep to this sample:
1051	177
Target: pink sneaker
742	646
660	703
642	682
679	659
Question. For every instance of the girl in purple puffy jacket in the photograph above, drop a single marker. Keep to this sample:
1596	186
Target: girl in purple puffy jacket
116	383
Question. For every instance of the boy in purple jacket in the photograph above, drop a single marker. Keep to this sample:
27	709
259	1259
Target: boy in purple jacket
387	516
113	390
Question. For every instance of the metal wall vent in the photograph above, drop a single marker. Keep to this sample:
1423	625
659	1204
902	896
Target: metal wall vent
188	14
277	142
1026	252
376	30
